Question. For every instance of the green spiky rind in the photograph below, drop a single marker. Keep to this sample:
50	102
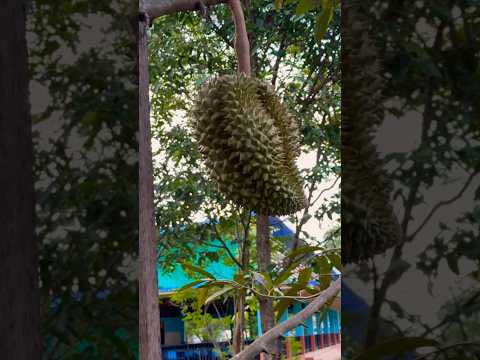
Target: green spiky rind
369	225
249	142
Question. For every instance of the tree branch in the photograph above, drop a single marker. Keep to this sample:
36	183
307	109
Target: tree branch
242	46
280	54
157	8
218	30
263	342
225	246
443	203
325	190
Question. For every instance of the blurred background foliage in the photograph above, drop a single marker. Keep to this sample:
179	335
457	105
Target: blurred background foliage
429	52
84	109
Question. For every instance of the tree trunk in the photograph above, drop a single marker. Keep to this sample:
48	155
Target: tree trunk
264	258
238	339
19	292
149	314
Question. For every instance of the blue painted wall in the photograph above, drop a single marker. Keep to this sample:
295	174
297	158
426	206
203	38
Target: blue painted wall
323	323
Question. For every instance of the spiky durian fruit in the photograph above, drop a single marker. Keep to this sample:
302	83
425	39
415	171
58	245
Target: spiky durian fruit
369	225
249	142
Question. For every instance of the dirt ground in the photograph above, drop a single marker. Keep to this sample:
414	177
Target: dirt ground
330	353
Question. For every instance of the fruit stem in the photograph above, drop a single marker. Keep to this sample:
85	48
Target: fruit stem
242	45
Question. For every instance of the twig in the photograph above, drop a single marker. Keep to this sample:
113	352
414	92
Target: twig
443	203
230	254
325	190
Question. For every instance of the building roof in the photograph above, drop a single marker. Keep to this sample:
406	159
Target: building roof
169	282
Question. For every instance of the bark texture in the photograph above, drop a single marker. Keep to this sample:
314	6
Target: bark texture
238	338
264	259
149	314
19	292
264	342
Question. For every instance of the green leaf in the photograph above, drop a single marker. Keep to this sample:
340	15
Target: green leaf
241	279
282	306
303	250
262	279
395	347
303	279
304	6
335	260
192	284
322	265
284	275
323	19
218	293
278	4
198	270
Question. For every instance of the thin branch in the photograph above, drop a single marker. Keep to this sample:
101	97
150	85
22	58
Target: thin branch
280	54
230	254
463	307
443	203
218	30
303	219
448	347
325	190
263	342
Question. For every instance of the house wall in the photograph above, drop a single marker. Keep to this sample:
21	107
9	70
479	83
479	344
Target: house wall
321	323
174	330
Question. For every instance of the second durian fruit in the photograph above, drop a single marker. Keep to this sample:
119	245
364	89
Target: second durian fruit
250	143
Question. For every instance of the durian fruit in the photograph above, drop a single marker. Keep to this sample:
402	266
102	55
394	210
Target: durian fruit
369	225
250	143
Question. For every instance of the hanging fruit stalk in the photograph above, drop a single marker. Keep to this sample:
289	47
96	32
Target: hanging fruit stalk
250	143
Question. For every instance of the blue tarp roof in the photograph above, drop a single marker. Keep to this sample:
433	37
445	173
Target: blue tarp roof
170	281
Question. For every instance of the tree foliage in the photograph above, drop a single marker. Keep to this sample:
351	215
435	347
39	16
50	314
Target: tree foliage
305	74
85	176
185	51
431	75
